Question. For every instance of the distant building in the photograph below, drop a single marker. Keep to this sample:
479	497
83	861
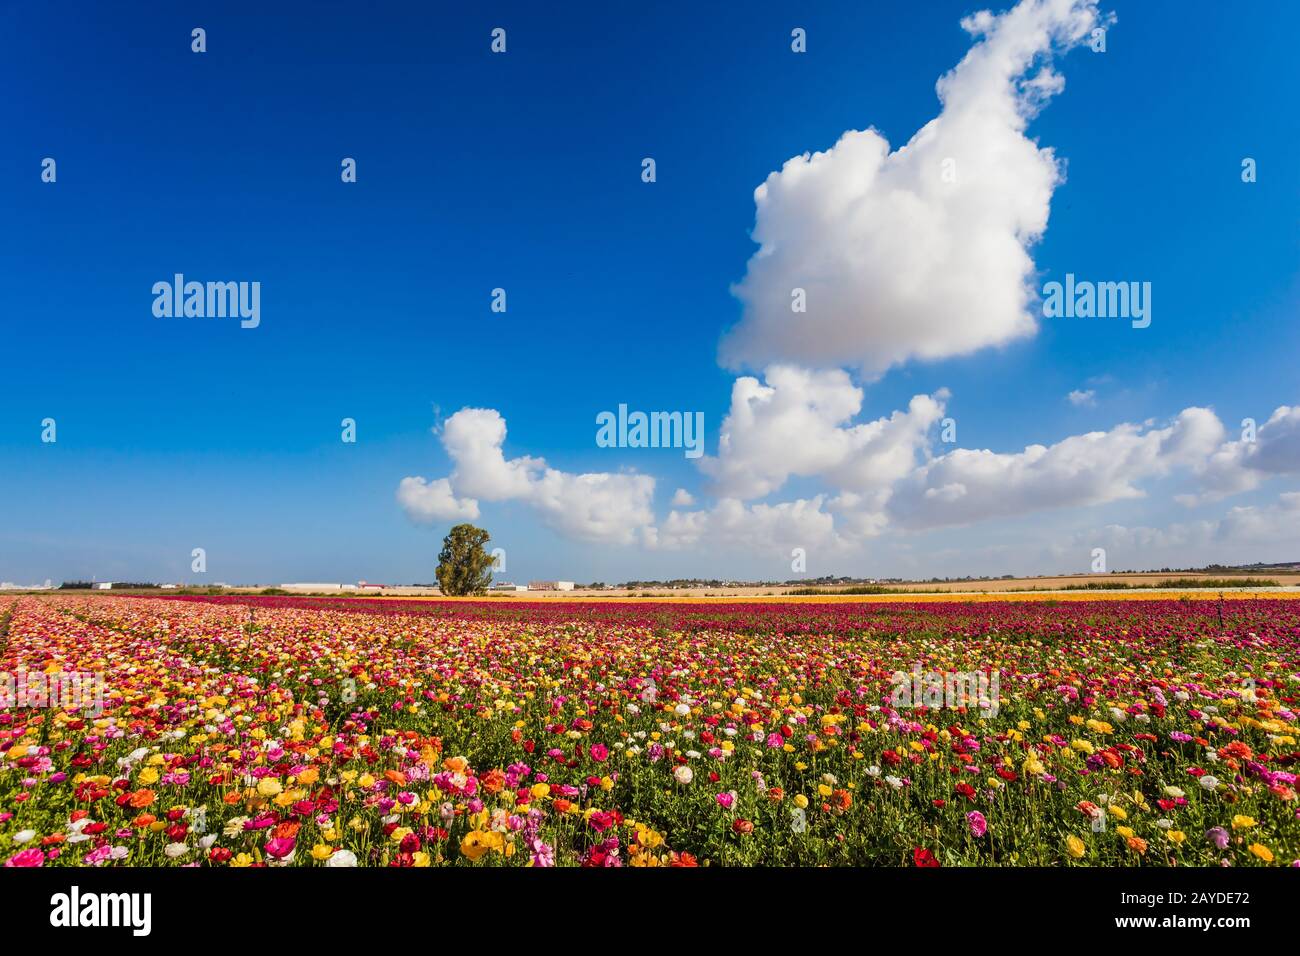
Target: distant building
550	585
311	586
509	586
367	586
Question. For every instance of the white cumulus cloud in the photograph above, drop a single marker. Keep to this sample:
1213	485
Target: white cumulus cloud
599	507
919	252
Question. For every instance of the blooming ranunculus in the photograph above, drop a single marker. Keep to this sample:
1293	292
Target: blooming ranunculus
345	858
683	774
978	825
1218	836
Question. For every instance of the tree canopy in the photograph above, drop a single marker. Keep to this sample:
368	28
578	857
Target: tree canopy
464	567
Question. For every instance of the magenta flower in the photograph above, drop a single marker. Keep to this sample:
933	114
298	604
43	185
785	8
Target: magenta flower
725	800
978	825
280	847
599	753
32	857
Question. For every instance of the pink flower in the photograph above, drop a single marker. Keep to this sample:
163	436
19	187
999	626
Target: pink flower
725	800
599	753
280	847
32	857
978	825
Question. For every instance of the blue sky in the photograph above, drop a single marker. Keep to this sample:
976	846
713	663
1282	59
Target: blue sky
523	171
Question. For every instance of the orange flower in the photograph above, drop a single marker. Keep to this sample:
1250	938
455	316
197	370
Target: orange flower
142	798
395	776
562	805
455	764
143	820
682	859
286	831
775	794
1137	844
841	800
493	781
1238	750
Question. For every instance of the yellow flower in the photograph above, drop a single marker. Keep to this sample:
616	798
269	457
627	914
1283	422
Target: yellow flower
1117	812
242	860
479	842
148	775
321	851
1242	822
421	858
268	786
1261	851
801	801
399	834
540	790
1125	832
1176	836
1074	846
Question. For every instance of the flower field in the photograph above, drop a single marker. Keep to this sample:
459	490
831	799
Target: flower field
297	732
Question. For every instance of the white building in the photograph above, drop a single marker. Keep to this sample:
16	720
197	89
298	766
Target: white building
550	585
104	586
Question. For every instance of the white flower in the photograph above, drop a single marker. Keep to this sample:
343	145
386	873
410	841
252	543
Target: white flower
873	771
633	709
24	836
207	841
1209	782
683	774
681	710
894	782
175	851
1164	823
1175	792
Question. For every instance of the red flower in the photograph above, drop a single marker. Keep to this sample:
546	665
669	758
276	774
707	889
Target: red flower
923	857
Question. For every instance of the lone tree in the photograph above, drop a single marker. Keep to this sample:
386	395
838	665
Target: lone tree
463	566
